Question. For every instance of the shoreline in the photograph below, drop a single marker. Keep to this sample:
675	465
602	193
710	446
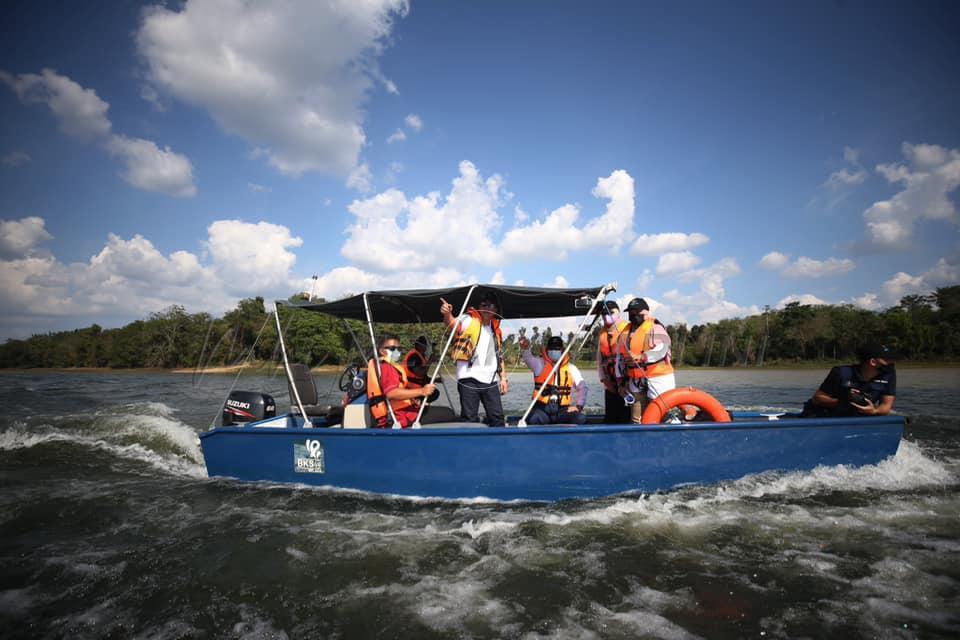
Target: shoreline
336	368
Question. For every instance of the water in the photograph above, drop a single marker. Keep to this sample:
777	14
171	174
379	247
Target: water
109	528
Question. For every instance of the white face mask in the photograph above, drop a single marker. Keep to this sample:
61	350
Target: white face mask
610	319
393	355
554	354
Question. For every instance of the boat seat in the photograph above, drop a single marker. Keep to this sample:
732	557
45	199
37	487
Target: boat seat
307	390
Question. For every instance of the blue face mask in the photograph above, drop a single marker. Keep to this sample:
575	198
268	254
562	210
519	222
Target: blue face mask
554	354
886	369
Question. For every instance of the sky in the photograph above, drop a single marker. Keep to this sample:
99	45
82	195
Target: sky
713	158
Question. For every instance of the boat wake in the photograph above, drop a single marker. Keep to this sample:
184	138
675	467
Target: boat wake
155	439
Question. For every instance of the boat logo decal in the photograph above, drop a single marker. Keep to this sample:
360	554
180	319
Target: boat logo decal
308	457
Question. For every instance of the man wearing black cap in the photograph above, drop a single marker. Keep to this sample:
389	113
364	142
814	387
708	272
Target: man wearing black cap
645	359
478	352
867	388
614	409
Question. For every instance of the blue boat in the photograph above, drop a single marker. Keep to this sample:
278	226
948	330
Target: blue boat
542	463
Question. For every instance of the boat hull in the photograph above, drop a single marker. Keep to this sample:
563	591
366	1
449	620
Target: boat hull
543	463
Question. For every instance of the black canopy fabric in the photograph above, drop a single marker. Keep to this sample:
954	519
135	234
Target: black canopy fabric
423	305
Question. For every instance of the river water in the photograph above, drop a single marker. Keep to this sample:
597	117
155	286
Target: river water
109	528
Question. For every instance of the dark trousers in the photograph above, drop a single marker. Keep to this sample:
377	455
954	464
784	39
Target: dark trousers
472	393
540	415
614	411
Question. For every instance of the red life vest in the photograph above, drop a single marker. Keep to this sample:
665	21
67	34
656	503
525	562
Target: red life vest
375	398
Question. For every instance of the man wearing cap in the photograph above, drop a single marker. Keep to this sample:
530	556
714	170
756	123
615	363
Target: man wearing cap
415	362
565	391
867	388
643	359
614	410
478	352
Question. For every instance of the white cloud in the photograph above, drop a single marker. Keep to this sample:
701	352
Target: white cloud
928	176
290	78
413	122
391	229
676	262
19	238
498	278
15	159
774	260
253	187
709	303
557	234
80	112
853	175
252	256
867	301
660	243
804	267
83	114
360	179
559	282
942	274
804	299
393	172
397	136
154	169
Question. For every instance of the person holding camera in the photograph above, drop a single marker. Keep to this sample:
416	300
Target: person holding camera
867	388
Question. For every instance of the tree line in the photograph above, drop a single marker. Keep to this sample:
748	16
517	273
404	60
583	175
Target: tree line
922	327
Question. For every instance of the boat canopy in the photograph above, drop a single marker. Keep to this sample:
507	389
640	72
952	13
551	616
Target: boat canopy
423	305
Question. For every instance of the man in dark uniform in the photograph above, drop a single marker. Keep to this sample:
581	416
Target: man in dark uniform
864	389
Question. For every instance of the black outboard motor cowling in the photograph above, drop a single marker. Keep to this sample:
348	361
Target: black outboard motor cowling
247	406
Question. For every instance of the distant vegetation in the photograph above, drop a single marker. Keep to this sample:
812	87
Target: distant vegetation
924	328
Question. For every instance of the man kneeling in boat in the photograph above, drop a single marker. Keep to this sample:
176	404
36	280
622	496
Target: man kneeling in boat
388	383
554	405
867	388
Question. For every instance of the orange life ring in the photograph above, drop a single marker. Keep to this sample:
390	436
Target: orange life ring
660	405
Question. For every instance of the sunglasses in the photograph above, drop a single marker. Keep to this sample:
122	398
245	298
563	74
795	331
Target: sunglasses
395	347
488	305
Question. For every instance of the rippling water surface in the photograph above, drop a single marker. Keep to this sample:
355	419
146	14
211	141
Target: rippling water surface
109	528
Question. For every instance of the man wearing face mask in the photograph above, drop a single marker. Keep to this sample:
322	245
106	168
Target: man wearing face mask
644	359
563	398
614	409
867	388
387	382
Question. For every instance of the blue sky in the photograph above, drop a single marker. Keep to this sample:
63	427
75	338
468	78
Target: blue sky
712	157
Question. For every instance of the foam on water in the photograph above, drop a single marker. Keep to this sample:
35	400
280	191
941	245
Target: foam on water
162	442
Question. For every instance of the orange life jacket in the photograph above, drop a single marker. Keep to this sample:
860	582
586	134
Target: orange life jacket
633	344
608	346
375	398
414	381
465	341
561	385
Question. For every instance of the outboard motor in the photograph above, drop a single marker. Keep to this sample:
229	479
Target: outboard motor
247	406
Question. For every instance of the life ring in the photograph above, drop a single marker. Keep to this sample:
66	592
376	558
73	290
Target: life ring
660	405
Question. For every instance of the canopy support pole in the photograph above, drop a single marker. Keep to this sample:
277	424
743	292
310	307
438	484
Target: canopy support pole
601	295
376	360
286	366
356	341
446	347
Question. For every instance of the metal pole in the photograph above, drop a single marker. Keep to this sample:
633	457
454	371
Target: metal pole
446	347
286	366
376	359
602	294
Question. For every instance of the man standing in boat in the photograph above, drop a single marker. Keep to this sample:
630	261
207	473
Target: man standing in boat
564	395
644	359
867	388
614	409
478	352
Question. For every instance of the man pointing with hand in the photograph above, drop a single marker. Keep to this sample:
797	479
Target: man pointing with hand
478	352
